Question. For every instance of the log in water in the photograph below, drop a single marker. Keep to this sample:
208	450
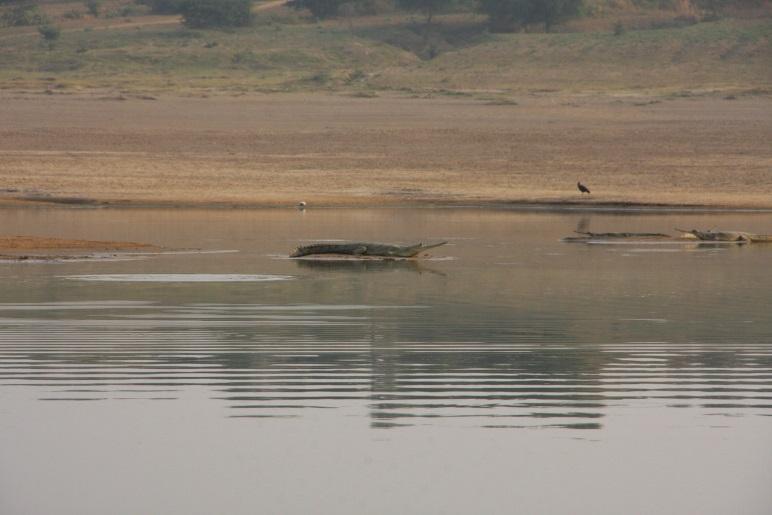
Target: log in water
738	236
586	236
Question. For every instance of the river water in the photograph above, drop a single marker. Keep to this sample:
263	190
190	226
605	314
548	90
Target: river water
509	372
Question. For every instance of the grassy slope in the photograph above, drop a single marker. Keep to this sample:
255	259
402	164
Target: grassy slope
711	55
173	58
386	53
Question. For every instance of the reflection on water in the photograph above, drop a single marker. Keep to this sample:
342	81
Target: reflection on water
366	265
278	361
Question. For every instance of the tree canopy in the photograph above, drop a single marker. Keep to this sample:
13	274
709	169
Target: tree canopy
426	7
216	13
163	6
505	15
319	8
20	14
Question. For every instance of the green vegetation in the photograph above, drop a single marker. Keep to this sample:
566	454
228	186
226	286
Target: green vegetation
216	13
163	6
320	9
508	15
427	7
21	15
205	13
50	33
93	7
715	7
453	55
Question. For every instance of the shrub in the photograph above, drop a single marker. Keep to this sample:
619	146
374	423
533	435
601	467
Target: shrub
426	7
506	15
217	13
22	15
74	14
320	77
93	6
319	8
163	6
49	33
356	76
675	23
124	11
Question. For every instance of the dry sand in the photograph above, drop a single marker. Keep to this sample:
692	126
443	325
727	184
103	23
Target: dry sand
40	248
279	149
23	243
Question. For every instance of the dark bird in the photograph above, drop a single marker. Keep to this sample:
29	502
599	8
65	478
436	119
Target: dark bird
582	187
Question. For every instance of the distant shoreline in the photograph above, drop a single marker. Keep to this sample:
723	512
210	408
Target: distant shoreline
391	203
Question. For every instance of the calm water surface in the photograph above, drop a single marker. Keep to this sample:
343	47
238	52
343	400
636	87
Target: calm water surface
508	373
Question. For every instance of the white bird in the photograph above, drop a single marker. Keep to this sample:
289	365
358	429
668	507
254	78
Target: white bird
301	205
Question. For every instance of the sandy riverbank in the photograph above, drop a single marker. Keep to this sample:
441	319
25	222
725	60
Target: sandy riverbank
23	248
279	149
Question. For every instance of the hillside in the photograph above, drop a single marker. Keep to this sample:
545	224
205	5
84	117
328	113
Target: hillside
133	52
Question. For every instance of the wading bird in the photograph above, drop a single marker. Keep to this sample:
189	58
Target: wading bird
582	187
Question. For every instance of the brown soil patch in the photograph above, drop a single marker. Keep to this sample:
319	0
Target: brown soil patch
279	149
38	243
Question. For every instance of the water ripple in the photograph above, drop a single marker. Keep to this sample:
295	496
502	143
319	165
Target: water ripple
259	361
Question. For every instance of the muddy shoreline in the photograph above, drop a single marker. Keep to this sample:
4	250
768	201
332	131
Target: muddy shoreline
44	248
589	205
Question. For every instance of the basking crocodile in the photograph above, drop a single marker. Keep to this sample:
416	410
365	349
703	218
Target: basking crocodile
365	249
738	236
